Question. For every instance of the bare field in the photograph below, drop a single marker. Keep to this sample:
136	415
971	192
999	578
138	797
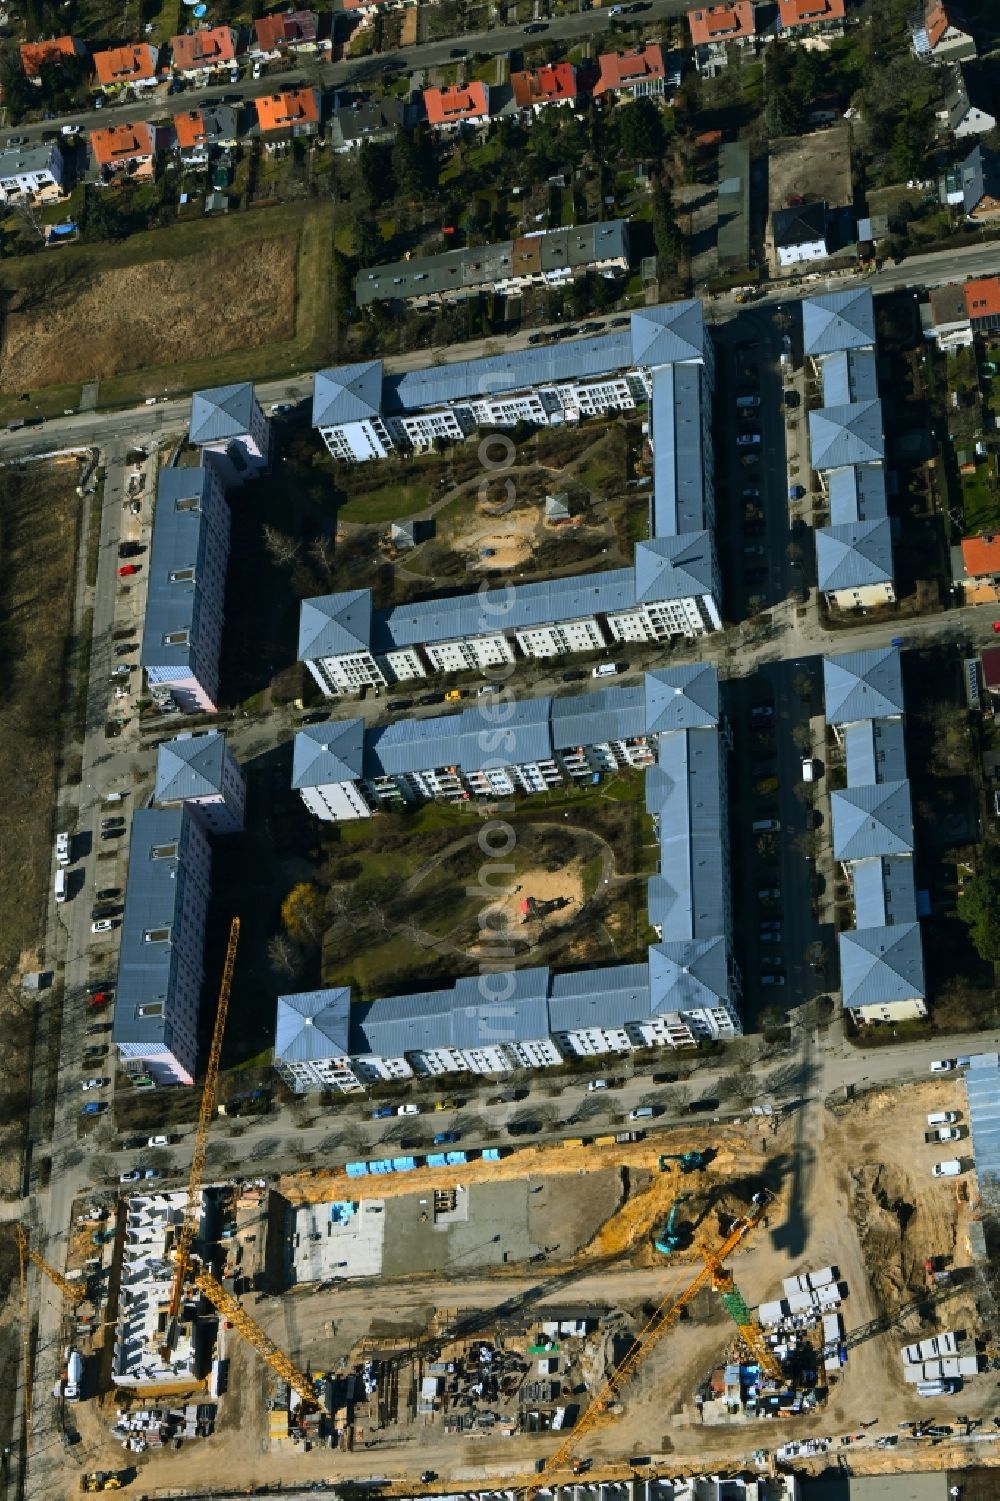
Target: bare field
98	322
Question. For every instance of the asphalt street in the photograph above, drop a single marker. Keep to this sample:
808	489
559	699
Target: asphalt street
361	71
146	424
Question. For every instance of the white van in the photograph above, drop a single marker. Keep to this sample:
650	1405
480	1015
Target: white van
606	670
949	1169
942	1117
808	769
60	885
941	1388
62	849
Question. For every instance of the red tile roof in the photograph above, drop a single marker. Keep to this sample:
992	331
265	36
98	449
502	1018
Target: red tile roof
451	105
189	128
981	555
270	32
129	64
549	85
120	143
35	55
982	297
809	12
936	21
287	26
722	23
205	48
623	70
290	108
990	660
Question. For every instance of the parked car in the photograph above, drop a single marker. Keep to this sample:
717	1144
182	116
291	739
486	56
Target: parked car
747	440
576	676
131	549
87	1084
762	711
430	698
102	925
109	893
943	1065
127	569
318	716
942	1117
132	1176
158	1141
408	1109
94	1107
397	705
444	1138
382	1112
949	1169
769	893
772	979
596	1084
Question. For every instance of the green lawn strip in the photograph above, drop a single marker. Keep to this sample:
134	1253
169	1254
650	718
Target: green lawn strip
591	875
388	502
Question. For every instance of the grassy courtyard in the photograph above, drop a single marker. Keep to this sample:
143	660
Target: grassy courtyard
428	896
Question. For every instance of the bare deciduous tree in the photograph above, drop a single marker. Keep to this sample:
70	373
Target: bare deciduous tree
283	955
281	548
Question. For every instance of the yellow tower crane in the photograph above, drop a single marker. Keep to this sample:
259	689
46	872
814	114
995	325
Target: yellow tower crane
231	1308
192	1207
76	1292
558	1467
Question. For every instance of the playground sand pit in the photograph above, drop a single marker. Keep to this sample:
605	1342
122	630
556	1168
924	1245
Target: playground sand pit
540	887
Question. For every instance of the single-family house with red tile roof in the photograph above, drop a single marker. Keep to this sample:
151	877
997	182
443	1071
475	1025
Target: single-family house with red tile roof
38	55
639	72
293	112
553	84
453	106
133	64
732	21
198	53
803	17
127	149
942	37
290	30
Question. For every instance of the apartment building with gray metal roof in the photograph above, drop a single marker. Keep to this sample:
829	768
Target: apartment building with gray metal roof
186	584
689	986
881	963
160	964
199	770
665	358
854	561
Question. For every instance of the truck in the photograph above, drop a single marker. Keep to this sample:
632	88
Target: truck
943	1133
74	1376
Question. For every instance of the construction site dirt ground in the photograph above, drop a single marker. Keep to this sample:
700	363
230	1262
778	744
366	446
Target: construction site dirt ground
856	1189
